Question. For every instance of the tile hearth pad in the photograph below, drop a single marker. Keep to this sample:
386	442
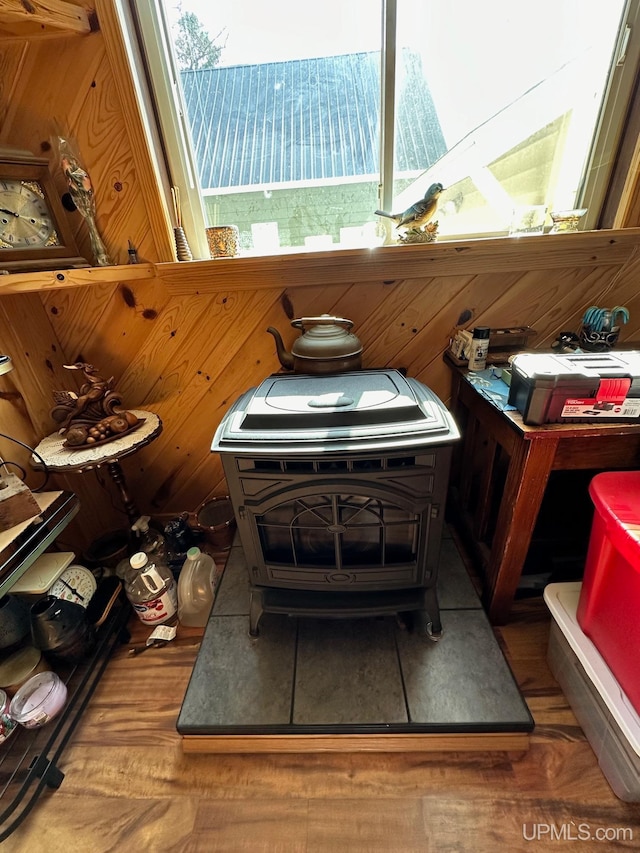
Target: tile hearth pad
350	676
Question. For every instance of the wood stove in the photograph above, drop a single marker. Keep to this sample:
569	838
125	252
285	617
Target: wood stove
338	484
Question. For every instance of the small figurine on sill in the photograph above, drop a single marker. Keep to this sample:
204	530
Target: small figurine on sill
417	219
82	194
428	234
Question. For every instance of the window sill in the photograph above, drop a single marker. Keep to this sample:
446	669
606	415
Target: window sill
344	266
390	263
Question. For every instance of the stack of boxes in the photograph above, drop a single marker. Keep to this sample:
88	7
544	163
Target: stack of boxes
594	641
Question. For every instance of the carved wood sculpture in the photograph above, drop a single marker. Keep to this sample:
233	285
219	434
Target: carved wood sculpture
95	415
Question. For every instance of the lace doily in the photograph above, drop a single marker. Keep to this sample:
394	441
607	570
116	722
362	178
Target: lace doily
60	458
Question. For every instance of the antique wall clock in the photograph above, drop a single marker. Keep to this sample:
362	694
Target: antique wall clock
34	232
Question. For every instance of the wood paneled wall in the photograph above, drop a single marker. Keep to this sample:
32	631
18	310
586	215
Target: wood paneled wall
188	341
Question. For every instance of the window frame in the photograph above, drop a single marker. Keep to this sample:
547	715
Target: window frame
596	191
164	82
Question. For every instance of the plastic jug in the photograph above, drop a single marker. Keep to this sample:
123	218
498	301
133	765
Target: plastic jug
151	589
196	588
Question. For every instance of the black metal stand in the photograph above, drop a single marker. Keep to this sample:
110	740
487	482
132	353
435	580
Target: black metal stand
29	759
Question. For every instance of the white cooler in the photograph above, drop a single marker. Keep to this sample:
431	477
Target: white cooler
608	719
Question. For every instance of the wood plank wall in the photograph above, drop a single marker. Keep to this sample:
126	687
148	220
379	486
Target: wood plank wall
187	346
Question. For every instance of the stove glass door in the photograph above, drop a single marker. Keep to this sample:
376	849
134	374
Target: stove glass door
339	530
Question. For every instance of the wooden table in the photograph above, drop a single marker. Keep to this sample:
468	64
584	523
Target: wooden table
52	452
499	475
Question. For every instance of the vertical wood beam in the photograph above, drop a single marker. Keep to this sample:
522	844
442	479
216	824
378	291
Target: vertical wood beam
128	72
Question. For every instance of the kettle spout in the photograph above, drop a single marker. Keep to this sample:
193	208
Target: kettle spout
285	358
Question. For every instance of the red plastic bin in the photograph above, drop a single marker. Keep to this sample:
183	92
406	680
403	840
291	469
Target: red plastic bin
609	604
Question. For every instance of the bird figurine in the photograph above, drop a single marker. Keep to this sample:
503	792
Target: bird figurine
419	213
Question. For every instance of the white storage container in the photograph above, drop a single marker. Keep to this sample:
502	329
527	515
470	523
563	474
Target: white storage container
607	717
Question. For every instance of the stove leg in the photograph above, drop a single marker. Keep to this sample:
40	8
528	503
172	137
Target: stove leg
256	609
433	625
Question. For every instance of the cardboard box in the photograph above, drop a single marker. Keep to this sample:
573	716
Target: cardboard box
17	504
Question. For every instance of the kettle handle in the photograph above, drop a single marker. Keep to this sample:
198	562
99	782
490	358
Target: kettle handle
325	320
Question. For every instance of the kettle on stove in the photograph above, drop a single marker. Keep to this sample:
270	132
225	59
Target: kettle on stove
326	345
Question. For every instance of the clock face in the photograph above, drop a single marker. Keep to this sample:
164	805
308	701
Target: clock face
25	219
35	233
76	584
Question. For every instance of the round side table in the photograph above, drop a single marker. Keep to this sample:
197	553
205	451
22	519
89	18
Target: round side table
62	459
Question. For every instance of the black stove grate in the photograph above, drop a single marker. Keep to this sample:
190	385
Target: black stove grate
339	530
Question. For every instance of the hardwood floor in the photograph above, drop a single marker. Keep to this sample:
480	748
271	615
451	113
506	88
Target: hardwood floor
129	787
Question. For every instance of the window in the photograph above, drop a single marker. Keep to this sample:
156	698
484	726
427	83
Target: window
297	125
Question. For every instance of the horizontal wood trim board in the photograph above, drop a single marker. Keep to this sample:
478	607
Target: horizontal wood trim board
144	146
502	742
42	18
54	280
390	263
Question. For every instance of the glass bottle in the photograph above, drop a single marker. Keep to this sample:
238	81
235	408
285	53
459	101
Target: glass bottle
149	540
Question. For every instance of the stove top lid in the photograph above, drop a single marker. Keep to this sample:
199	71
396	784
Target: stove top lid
348	399
360	408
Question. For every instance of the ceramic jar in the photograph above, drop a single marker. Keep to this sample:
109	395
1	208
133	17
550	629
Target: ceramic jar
223	240
14	621
60	630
